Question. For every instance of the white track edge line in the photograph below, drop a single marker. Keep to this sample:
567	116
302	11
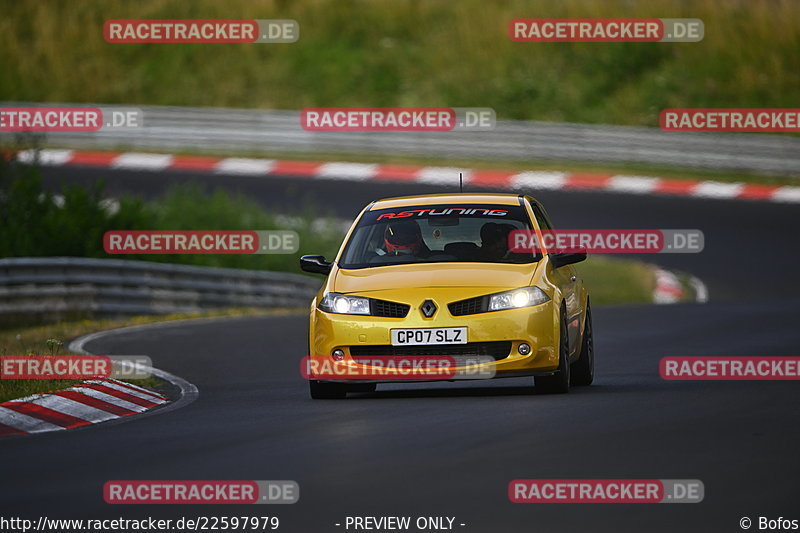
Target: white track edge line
188	391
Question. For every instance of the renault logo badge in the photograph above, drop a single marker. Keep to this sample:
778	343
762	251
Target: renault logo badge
428	308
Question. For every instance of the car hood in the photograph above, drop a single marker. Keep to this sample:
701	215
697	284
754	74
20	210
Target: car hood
433	275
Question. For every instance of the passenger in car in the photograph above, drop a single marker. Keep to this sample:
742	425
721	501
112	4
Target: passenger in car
494	241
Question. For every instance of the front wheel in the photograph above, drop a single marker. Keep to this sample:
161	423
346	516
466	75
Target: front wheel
557	383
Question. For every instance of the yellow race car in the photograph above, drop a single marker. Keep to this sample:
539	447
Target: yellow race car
434	276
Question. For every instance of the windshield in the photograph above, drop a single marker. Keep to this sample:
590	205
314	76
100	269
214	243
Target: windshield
436	233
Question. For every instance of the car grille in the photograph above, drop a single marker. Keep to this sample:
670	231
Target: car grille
388	309
495	349
470	306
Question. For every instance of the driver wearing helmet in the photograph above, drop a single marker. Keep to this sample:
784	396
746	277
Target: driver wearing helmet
404	237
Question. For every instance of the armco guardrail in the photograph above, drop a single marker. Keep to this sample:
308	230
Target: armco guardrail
251	130
66	286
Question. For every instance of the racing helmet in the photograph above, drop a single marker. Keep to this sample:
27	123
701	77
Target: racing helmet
403	237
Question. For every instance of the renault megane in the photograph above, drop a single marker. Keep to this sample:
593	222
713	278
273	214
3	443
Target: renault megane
434	276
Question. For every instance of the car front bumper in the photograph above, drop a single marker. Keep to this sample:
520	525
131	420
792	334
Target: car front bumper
357	335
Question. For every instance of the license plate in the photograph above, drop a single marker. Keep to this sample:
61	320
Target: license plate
426	336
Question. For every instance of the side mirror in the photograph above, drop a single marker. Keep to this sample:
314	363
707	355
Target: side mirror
560	260
316	264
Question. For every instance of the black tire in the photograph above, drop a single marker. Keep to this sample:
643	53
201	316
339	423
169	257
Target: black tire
582	371
557	383
321	390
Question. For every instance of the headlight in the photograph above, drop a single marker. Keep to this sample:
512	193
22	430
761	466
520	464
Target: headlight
344	305
524	297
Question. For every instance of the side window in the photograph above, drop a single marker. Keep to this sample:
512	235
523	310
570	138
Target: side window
541	218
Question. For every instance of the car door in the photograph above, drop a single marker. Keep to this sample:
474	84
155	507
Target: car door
567	279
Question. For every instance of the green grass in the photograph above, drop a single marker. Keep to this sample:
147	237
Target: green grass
191	208
410	53
32	225
613	281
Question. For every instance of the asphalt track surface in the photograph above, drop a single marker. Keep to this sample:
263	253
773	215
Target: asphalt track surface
451	449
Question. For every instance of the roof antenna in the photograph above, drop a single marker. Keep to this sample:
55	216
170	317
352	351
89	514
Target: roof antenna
460	182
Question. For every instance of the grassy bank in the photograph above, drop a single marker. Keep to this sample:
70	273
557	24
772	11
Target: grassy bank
414	53
613	281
